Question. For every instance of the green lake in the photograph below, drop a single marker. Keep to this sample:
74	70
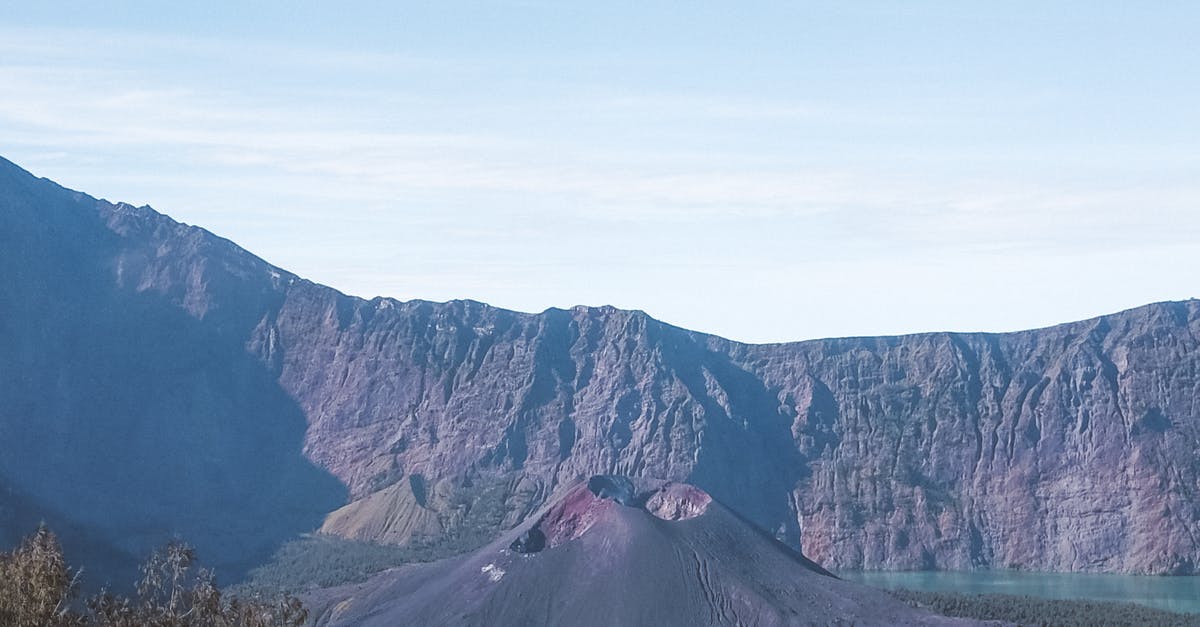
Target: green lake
1177	594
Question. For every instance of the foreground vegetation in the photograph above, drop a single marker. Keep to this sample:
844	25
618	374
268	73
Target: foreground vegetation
1027	610
39	589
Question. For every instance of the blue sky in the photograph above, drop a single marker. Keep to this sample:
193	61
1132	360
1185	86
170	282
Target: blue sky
765	171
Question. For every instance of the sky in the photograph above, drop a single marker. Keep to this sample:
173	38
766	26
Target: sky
764	171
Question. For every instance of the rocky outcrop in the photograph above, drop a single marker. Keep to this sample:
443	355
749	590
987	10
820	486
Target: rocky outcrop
151	365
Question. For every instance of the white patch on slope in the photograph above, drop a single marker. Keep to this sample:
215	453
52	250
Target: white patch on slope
493	572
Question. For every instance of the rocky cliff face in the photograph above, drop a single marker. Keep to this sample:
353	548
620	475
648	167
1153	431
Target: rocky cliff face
153	365
1070	448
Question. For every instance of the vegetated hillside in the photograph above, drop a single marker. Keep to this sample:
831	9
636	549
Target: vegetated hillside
158	379
615	552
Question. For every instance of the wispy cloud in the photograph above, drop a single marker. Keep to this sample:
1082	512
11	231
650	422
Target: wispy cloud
424	188
75	110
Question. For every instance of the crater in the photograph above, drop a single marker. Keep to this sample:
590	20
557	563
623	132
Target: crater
612	487
574	514
532	541
577	511
678	501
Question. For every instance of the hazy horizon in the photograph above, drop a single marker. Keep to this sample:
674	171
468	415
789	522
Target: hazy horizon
763	173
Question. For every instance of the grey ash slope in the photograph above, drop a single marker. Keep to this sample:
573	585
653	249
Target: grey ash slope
666	556
156	378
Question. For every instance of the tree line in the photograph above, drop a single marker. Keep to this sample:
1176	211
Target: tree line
38	588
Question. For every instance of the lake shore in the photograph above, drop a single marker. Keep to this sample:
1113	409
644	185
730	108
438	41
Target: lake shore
1174	594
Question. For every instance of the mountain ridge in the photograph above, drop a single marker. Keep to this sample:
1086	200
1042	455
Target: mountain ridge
931	450
149	212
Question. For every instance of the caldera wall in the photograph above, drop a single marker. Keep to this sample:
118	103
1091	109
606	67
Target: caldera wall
1069	448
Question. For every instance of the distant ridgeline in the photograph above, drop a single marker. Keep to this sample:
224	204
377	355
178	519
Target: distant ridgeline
158	380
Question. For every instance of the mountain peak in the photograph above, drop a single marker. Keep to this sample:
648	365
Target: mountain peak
576	512
619	550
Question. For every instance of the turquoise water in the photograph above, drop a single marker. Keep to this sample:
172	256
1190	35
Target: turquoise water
1178	594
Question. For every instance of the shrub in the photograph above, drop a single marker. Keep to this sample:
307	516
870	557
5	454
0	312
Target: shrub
38	589
36	585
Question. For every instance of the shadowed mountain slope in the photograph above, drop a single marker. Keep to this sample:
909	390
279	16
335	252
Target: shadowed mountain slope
610	553
131	408
157	379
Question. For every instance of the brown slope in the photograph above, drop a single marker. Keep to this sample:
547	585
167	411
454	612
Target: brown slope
664	555
206	371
